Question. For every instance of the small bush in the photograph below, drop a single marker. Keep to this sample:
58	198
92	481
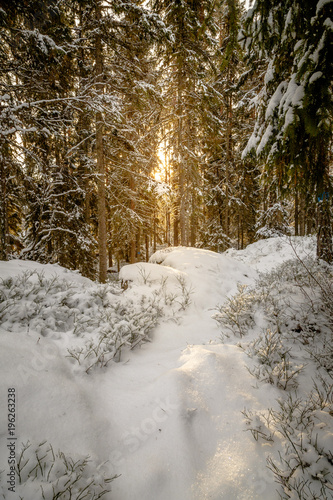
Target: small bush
275	362
124	323
43	473
237	314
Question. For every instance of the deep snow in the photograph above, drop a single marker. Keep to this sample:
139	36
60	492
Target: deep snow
167	417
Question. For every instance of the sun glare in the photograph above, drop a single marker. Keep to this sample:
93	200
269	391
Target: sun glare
158	176
161	169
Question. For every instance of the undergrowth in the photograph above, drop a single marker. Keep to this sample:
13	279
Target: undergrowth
285	326
102	320
43	473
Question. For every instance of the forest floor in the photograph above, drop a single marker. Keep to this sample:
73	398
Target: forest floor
182	385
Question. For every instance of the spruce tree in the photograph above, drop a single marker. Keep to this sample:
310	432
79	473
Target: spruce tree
230	181
294	115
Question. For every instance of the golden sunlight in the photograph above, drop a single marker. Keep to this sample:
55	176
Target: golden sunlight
160	173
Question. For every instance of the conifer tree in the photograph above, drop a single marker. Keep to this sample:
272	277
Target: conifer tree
294	116
230	181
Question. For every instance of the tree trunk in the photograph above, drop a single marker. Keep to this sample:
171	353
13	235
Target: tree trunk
182	213
167	227
102	232
147	247
176	231
155	233
181	163
227	171
3	212
302	216
296	212
138	245
132	251
324	234
194	222
132	205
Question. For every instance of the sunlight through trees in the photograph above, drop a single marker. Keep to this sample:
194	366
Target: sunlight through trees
125	126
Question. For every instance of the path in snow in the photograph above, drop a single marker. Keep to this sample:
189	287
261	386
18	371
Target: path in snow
177	432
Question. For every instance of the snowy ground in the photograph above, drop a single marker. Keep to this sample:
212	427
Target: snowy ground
166	417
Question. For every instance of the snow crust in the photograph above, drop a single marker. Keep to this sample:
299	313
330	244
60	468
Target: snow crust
167	417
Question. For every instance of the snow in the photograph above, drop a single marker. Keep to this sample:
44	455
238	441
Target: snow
17	267
275	99
267	136
321	4
167	417
315	76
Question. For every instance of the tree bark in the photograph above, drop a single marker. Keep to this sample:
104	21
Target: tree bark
324	234
296	212
3	212
227	167
181	161
302	216
147	247
102	232
154	233
176	231
133	237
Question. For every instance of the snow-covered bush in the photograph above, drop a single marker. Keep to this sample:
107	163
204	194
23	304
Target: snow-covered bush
184	297
121	323
47	305
291	300
237	314
274	221
304	428
49	475
100	319
275	361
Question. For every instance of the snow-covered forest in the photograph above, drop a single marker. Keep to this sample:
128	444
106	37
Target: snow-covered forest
126	125
166	249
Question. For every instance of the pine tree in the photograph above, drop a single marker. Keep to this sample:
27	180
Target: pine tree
70	108
294	115
30	73
230	182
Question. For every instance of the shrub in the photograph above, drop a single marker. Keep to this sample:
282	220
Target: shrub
44	473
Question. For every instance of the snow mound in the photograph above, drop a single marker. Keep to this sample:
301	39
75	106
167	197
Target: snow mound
210	274
167	415
12	268
264	255
145	272
187	441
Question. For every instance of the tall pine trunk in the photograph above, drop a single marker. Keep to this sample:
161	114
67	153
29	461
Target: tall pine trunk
324	232
324	229
133	249
3	209
101	206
